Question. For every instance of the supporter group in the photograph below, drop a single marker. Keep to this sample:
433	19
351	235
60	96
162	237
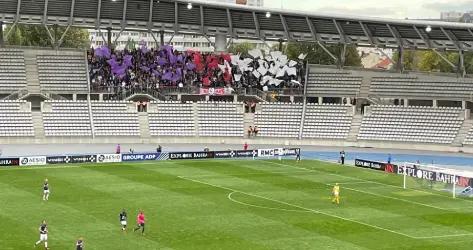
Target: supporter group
148	68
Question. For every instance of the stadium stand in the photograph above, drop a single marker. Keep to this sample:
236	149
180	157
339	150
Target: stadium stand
115	118
171	119
327	121
144	68
220	119
15	119
65	72
12	70
66	118
469	137
333	84
279	119
414	124
413	87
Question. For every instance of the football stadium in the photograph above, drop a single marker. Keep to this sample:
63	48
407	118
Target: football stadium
171	124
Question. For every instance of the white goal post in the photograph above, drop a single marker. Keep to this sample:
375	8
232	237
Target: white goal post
441	178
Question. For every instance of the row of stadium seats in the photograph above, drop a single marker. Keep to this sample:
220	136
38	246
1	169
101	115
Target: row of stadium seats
381	123
415	124
60	73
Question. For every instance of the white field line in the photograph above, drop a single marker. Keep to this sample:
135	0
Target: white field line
319	212
346	183
299	207
229	196
395	198
243	175
355	178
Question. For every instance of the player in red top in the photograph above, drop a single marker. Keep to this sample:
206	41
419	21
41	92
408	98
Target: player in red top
140	221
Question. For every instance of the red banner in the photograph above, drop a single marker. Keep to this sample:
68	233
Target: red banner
212	91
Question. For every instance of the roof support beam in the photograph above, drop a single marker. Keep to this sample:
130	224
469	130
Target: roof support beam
118	36
150	19
176	17
18	6
327	51
422	37
71	15
17	18
343	38
255	19
367	32
400	60
445	59
150	31
51	38
61	40
286	29
124	15
202	25
45	12
395	34
452	38
343	54
230	23
471	32
312	28
97	25
461	64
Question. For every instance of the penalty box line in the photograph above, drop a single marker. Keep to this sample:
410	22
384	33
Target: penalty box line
368	181
299	207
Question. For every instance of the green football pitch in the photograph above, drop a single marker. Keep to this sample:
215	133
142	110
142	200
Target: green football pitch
228	204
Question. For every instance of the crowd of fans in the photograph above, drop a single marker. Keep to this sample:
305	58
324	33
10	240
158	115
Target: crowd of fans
153	69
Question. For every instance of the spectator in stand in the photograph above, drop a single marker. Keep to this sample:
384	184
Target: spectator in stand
245	146
145	106
159	149
252	107
255	131
118	149
132	151
389	158
250	131
129	71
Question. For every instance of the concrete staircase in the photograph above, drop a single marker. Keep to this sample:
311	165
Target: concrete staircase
463	132
32	76
144	126
248	120
355	128
195	111
38	124
365	87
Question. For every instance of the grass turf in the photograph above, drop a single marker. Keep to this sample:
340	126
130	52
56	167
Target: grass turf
228	204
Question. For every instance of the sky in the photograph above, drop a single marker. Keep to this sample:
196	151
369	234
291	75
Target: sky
376	8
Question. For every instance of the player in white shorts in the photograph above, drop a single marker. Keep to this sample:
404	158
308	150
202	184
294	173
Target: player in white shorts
45	190
43	235
123	218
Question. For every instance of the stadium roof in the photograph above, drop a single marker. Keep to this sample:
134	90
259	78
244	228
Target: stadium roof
239	22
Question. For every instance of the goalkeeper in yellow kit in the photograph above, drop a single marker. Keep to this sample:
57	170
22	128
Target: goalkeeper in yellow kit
336	194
